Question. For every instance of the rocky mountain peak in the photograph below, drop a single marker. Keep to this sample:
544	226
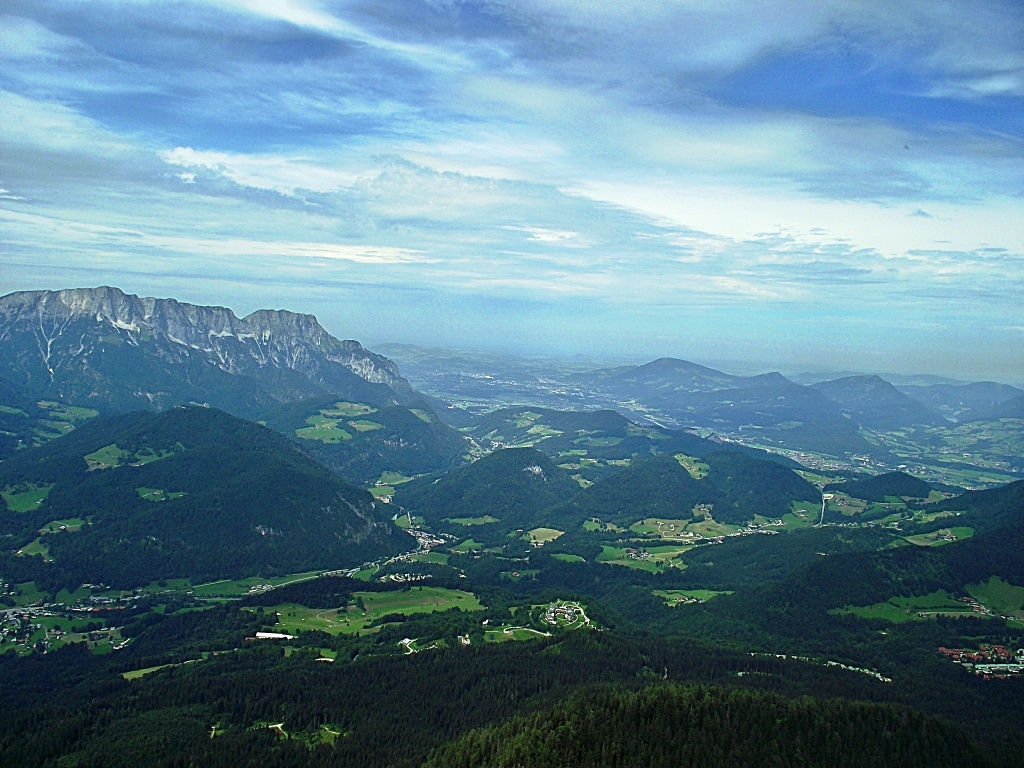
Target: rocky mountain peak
61	342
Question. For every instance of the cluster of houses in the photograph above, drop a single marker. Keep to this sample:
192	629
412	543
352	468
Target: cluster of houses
568	613
989	661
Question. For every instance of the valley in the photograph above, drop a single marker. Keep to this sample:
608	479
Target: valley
489	538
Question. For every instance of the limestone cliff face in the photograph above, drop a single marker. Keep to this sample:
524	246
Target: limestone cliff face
107	347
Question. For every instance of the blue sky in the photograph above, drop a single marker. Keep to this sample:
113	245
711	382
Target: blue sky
797	185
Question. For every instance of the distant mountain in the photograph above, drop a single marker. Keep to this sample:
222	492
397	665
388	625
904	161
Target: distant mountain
768	407
878	487
661	377
1010	409
509	485
874	403
963	402
360	441
602	435
105	349
188	493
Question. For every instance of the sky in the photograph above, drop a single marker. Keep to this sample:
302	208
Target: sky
798	185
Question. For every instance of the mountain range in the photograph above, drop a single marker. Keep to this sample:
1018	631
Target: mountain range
105	349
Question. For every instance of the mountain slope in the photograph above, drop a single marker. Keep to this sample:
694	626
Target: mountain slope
188	493
359	441
962	402
106	349
876	404
511	485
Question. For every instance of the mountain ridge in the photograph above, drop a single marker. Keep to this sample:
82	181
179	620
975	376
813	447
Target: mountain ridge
121	351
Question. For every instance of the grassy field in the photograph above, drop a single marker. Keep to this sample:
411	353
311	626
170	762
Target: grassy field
348	410
656	560
238	587
158	494
674	597
567	558
36	547
902	609
71	525
323	429
293	618
1000	597
364	425
944	536
660	527
541	536
472	520
698	469
802	514
25	497
710	529
468	546
392	478
441	558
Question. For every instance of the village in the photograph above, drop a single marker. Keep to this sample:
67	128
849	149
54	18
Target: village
989	661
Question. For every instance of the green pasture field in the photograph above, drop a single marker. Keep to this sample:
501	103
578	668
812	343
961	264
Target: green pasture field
543	430
407	521
902	609
472	520
158	494
937	539
467	546
541	536
380	491
349	410
710	529
504	634
802	514
25	497
70	525
392	478
323	429
674	597
595	525
660	527
567	558
364	425
698	469
441	558
294	618
111	456
1000	597
659	558
36	547
239	587
422	415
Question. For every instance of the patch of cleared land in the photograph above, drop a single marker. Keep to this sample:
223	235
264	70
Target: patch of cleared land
674	597
25	497
902	609
698	469
944	536
472	520
343	410
999	596
367	607
323	429
541	536
365	426
565	557
158	494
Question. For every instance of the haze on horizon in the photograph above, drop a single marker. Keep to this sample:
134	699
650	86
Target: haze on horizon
827	186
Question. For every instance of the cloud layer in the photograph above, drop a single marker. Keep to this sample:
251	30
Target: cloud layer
811	183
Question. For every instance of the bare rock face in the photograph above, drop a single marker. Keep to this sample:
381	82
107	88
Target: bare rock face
108	349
